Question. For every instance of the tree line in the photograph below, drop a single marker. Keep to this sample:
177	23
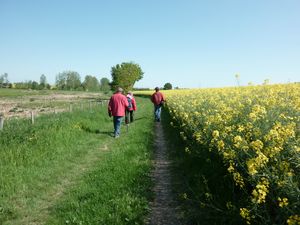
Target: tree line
66	80
124	75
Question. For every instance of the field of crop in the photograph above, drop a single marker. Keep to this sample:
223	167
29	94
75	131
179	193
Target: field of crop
246	142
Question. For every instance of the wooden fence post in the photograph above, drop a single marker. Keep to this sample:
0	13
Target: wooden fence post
32	117
70	107
1	122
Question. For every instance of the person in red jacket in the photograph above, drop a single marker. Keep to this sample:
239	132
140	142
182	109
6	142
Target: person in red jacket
131	108
158	100
116	108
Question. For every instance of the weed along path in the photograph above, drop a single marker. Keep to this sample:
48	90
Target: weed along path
163	209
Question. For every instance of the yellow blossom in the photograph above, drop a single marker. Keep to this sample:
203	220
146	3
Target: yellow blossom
282	202
215	134
293	220
260	192
257	145
221	145
245	214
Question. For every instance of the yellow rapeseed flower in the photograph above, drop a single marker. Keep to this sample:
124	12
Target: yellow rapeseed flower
282	202
293	220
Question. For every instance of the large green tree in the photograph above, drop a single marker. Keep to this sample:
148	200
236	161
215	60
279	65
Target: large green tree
168	86
90	83
68	80
125	75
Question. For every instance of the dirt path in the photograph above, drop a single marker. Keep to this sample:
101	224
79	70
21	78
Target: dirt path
163	209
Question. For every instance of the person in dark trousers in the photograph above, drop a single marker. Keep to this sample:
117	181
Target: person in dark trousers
158	100
116	107
131	108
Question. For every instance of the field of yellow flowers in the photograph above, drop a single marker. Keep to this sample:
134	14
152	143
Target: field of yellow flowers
255	132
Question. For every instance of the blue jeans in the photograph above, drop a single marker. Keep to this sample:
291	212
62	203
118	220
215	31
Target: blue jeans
157	112
117	125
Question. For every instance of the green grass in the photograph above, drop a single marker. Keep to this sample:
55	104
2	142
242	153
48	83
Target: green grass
13	93
67	168
8	92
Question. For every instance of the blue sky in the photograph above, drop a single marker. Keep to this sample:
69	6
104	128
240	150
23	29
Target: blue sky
191	43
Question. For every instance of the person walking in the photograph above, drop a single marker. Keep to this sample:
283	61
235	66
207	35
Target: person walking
116	107
158	100
131	108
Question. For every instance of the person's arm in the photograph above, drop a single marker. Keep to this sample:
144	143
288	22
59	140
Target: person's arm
109	107
133	104
152	98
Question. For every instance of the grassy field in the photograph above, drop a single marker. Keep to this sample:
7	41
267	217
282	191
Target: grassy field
8	92
67	169
12	93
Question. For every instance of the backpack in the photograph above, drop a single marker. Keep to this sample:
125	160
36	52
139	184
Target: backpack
129	103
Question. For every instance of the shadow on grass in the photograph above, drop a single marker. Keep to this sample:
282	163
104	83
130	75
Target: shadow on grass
140	118
96	131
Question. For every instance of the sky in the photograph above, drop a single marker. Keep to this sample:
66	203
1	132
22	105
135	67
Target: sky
190	43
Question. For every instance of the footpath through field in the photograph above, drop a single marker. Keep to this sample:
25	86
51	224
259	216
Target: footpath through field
164	209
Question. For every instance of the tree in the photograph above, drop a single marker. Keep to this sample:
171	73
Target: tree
68	80
4	80
104	85
90	83
125	75
73	81
34	85
168	86
43	82
60	81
